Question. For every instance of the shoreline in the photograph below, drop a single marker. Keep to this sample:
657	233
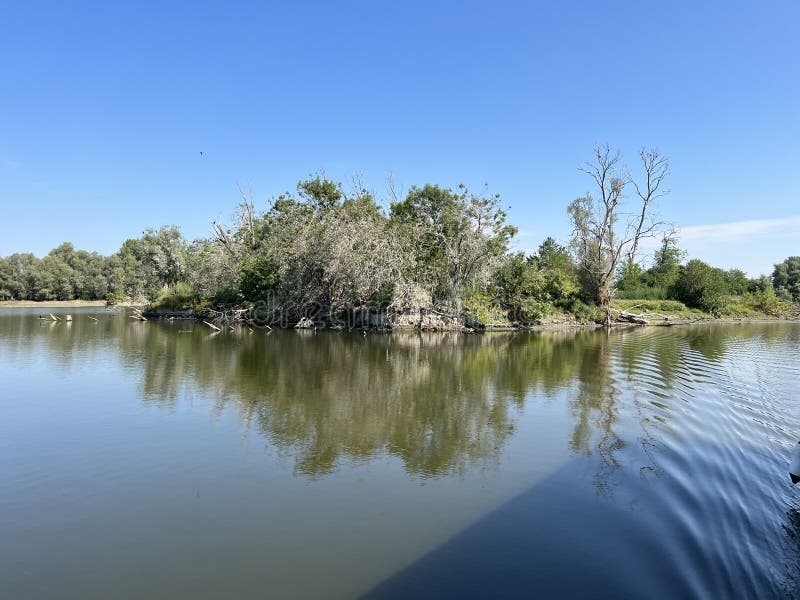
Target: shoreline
60	304
558	325
51	303
626	325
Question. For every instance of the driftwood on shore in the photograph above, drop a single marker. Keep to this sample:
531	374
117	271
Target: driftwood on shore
641	319
654	318
632	318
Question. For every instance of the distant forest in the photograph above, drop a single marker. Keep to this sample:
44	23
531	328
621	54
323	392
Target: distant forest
434	247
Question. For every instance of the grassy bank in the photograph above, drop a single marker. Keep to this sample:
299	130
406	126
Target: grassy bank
670	311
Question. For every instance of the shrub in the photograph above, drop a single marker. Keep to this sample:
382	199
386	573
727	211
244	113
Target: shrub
765	301
259	277
701	286
585	312
113	298
481	309
177	297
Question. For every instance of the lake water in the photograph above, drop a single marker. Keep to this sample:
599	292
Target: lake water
158	460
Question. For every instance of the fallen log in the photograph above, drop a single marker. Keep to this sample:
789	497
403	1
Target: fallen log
631	318
212	326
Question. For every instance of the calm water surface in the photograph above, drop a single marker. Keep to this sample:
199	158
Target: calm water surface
156	460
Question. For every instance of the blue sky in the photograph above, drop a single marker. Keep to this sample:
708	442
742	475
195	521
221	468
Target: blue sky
105	108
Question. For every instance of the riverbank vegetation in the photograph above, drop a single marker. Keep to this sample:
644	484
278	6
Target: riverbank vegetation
449	251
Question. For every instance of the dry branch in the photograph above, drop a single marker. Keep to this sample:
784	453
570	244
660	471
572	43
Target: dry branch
214	327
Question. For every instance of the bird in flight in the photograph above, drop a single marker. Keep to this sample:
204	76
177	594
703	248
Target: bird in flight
202	153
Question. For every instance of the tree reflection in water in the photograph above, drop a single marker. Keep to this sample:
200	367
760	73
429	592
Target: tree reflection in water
672	439
439	402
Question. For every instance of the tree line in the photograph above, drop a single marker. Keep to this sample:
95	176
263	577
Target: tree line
433	247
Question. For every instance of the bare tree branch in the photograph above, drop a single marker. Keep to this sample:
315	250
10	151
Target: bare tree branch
656	168
600	241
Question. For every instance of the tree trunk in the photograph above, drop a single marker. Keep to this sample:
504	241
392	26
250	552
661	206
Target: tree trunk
604	302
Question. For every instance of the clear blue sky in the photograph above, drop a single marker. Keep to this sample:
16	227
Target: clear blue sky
105	107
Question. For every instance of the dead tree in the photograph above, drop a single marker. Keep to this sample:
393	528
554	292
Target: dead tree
603	232
656	169
237	242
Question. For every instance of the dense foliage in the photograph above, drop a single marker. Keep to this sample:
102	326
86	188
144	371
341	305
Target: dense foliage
699	285
786	279
434	248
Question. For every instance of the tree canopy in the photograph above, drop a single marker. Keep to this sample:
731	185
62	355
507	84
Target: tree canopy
449	249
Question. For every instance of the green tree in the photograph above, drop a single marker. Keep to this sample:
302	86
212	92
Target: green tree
455	239
666	264
518	285
630	277
320	193
159	256
7	283
529	288
21	282
760	284
121	272
51	279
737	282
786	279
700	285
259	278
346	253
560	283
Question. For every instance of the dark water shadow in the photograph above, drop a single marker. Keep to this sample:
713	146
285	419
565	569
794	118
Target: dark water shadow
555	540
